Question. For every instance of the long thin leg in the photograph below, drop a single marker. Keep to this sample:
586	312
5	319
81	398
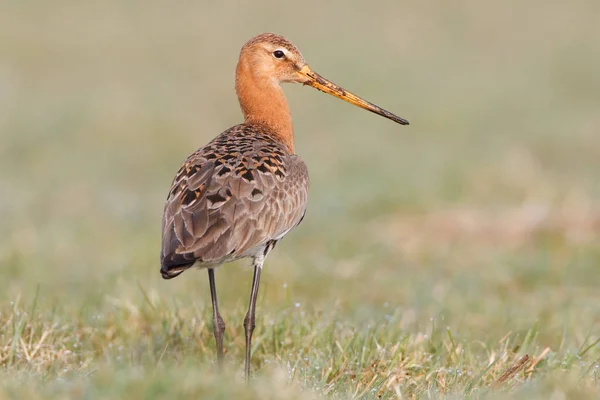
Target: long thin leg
249	321
218	323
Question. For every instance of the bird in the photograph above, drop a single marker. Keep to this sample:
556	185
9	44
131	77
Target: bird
240	194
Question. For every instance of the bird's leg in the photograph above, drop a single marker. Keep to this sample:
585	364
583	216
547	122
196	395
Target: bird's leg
218	323
249	321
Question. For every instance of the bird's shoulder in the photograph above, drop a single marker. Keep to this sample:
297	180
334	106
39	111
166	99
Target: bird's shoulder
247	153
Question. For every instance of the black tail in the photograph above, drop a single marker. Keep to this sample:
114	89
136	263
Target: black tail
174	264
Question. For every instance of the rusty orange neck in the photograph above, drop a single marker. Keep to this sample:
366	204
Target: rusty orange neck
263	102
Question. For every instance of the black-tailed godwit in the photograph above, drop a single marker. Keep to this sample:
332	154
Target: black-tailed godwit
244	191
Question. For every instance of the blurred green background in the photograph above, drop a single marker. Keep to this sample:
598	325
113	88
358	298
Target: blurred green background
482	215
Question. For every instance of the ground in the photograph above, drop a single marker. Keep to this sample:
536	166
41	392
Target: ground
456	257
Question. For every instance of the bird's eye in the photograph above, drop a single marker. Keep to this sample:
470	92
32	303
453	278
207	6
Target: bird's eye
278	54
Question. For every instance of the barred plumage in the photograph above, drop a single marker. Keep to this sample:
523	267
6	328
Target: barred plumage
230	198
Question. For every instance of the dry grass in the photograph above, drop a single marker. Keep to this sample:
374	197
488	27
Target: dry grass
298	353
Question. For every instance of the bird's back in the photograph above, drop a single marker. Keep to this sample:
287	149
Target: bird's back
233	198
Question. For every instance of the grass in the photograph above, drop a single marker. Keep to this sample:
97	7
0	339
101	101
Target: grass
457	257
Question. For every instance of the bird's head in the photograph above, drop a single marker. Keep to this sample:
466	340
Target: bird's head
274	59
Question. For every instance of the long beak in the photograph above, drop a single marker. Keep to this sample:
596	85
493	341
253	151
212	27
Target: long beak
315	80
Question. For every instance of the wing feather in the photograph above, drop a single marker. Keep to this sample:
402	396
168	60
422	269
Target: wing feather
225	203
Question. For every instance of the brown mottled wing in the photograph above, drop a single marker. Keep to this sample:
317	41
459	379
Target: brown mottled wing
230	198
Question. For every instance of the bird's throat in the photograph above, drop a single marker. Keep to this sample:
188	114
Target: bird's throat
262	102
